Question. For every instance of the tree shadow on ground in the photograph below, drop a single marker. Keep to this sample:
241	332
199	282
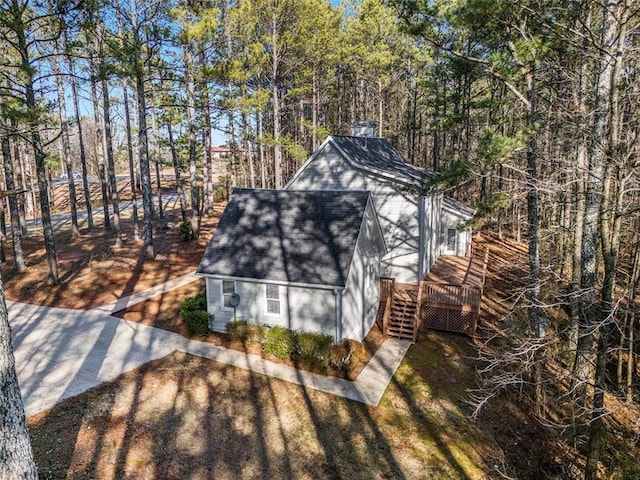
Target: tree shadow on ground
187	417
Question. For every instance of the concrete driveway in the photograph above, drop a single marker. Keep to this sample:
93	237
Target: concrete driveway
61	353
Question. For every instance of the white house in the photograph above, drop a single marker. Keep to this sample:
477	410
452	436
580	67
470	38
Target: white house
310	257
412	223
305	260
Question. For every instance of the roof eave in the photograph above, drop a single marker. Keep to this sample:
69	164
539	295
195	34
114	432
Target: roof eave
317	286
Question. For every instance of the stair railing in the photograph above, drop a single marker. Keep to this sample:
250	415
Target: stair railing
387	287
419	316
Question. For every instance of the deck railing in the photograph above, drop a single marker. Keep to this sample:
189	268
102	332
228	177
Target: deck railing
441	306
454	308
445	294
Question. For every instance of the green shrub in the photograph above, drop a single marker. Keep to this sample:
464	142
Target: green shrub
186	231
197	322
313	350
194	303
194	314
241	330
220	193
317	344
279	342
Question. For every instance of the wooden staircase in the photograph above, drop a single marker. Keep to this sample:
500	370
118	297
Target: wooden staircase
403	317
402	322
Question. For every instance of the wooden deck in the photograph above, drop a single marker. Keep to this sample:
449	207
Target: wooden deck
458	270
448	299
453	292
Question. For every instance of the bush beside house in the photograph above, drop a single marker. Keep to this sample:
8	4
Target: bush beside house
195	316
307	350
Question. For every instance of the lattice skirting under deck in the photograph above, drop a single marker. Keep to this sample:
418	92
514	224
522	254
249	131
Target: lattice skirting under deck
450	319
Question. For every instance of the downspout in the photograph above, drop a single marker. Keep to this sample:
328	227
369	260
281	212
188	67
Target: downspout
421	239
338	291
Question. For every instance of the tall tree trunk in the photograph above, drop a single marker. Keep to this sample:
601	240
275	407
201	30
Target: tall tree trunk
100	150
83	153
583	370
206	139
191	133
24	197
132	169
314	111
155	152
106	105
40	157
436	127
66	149
143	143
15	447
380	107
19	264
249	152
614	30
263	161
233	151
579	213
275	92
145	172
536	315
176	170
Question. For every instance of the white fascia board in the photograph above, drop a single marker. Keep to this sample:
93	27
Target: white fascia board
271	282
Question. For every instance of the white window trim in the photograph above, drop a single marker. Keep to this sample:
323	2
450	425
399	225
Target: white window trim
455	241
266	300
235	289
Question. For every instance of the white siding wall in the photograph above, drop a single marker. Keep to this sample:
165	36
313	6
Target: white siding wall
397	209
432	224
361	296
307	309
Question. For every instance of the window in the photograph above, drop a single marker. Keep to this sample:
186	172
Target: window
452	236
373	273
228	289
273	299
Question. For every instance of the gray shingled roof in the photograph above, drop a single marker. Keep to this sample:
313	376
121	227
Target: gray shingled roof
306	237
378	156
459	207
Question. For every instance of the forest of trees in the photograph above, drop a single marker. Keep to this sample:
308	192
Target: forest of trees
528	108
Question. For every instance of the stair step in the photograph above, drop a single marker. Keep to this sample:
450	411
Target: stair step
400	336
396	330
403	314
402	319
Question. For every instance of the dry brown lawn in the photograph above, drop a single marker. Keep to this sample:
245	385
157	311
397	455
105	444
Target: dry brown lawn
184	417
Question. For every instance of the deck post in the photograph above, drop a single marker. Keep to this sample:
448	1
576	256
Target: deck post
419	315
